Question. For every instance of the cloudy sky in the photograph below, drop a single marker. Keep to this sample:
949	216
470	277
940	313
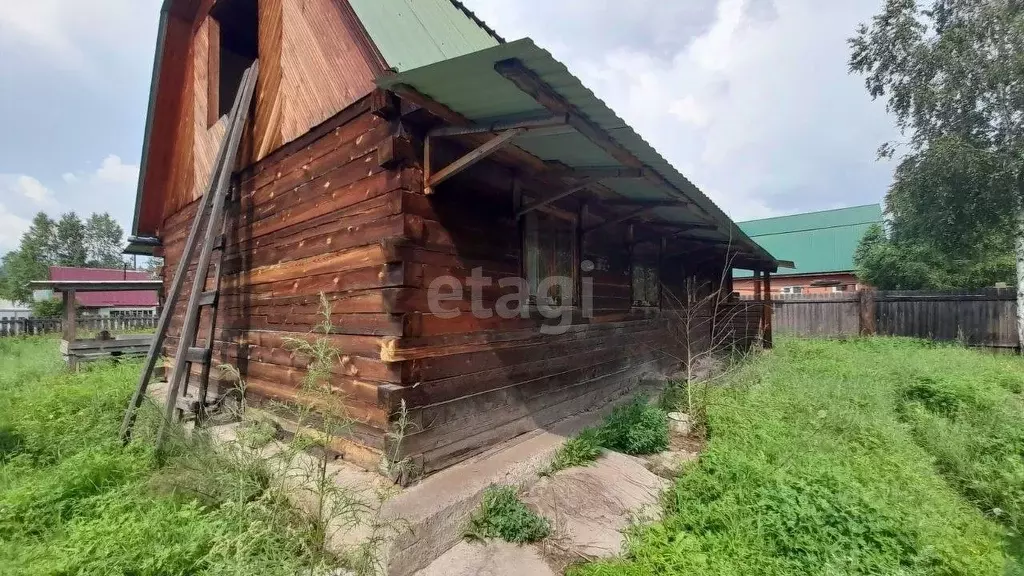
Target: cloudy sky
749	98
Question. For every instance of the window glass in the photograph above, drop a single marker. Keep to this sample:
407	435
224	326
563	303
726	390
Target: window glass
550	245
646	281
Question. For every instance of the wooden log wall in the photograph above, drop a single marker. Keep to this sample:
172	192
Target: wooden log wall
341	212
474	382
319	216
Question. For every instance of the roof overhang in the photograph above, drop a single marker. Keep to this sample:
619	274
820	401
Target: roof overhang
520	87
97	285
142	246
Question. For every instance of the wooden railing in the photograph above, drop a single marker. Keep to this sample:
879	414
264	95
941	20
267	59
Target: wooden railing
40	326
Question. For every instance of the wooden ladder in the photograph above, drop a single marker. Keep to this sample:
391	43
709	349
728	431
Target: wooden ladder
211	212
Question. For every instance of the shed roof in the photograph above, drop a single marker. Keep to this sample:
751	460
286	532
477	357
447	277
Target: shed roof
818	242
473	86
97	286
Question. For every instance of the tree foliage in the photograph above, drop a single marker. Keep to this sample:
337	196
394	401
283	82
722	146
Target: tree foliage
104	241
96	242
952	74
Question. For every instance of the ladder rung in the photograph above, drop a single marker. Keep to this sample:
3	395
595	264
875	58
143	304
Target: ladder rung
208	298
197	355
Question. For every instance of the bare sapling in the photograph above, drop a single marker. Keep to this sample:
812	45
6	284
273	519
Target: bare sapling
707	326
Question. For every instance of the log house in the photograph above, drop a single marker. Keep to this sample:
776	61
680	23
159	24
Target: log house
396	146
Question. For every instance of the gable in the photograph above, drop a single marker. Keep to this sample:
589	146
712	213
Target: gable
315	61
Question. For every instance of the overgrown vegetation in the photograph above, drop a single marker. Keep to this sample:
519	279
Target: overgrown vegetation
73	501
503	515
580	450
637	428
875	456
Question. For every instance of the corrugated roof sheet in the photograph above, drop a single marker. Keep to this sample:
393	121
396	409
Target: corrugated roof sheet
817	242
470	85
414	33
130	299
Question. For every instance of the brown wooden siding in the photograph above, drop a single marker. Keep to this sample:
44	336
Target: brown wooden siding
323	218
312	65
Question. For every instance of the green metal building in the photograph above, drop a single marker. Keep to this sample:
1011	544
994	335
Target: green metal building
820	244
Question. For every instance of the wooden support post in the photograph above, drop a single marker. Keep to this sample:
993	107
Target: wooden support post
427	165
757	285
767	310
70	315
868	309
70	326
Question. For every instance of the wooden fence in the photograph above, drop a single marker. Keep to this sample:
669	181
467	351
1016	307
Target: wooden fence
39	326
984	318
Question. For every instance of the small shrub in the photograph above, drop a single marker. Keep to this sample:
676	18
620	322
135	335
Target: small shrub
503	515
581	450
52	308
636	428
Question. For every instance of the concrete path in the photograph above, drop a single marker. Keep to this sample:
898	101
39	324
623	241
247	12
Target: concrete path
588	509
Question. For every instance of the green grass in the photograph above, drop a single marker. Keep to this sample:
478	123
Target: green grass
73	501
580	450
876	456
636	428
503	515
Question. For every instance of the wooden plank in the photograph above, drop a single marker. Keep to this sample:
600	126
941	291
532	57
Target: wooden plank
476	155
551	199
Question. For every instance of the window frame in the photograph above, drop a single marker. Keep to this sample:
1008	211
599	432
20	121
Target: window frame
792	290
572	223
652	263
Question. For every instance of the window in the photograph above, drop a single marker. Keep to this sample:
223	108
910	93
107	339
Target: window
646	280
550	258
839	289
792	289
234	46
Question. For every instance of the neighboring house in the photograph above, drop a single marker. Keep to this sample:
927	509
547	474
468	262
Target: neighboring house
396	147
11	310
821	244
134	303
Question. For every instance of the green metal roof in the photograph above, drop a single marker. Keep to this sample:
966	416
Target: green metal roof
818	242
470	85
414	33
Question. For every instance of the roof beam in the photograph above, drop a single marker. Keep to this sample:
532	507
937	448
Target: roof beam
638	203
433	180
499	126
619	220
550	199
608	173
528	81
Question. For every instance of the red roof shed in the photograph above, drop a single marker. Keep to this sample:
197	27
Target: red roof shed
132	299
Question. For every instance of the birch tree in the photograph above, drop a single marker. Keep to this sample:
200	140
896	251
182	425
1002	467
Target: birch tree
952	74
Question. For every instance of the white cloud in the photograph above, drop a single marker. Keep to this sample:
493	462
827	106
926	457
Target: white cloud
12	227
755	104
114	171
69	29
32	189
107	188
